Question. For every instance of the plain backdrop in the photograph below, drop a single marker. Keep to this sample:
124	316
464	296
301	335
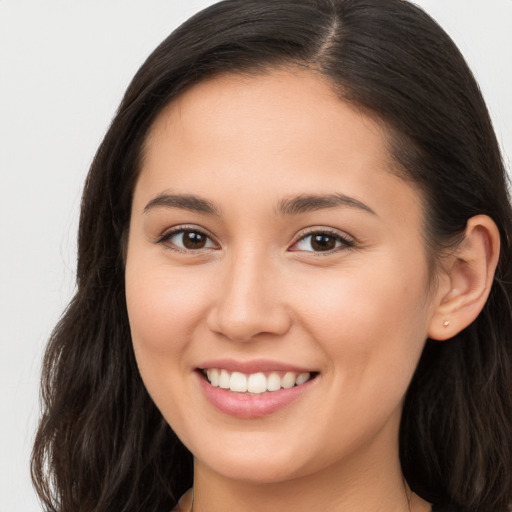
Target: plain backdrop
64	65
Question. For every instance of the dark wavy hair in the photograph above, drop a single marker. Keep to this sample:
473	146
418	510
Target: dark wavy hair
102	445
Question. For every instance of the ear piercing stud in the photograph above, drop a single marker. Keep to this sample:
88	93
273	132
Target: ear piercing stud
446	323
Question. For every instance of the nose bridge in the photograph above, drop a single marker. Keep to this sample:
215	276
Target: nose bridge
249	302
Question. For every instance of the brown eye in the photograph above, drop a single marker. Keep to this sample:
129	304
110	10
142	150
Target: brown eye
194	240
188	240
322	241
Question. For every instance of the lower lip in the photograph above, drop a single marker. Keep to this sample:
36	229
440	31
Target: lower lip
245	406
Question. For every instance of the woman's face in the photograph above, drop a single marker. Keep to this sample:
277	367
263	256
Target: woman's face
272	245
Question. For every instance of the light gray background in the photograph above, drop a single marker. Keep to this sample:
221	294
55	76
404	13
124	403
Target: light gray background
64	66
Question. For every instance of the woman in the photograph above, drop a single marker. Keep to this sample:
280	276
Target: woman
293	279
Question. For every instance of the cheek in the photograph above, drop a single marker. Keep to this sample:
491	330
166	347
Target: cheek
369	318
164	305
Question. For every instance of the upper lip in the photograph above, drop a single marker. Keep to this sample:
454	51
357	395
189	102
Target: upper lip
254	366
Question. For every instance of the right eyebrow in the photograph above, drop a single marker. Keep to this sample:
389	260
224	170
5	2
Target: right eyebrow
183	201
313	202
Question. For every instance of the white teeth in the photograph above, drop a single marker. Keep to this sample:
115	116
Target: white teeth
223	379
301	378
255	383
273	382
288	381
214	377
237	382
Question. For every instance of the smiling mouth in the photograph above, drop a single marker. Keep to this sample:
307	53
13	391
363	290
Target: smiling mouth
255	383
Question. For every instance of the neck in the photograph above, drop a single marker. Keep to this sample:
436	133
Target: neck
364	482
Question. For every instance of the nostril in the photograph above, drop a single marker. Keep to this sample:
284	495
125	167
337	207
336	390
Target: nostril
240	328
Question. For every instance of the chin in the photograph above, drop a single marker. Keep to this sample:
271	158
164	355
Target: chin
253	465
261	472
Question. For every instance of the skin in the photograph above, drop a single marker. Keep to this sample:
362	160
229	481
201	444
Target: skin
358	314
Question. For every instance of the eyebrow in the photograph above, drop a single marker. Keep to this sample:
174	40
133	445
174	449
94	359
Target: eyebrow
309	203
183	201
290	206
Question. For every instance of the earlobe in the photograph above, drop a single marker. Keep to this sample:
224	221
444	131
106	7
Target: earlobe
468	280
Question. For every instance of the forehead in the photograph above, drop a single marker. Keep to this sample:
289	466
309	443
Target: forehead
285	100
283	132
275	112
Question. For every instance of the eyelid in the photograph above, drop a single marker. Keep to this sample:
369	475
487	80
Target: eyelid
170	232
348	242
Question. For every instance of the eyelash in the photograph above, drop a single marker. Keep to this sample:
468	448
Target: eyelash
344	242
166	237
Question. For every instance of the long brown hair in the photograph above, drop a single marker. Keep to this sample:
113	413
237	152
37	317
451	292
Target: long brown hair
101	444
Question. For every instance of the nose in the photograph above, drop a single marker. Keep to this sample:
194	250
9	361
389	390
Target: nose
249	301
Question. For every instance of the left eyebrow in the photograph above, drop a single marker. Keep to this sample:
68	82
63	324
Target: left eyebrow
184	202
309	203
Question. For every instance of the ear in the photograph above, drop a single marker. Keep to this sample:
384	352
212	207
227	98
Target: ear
467	279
